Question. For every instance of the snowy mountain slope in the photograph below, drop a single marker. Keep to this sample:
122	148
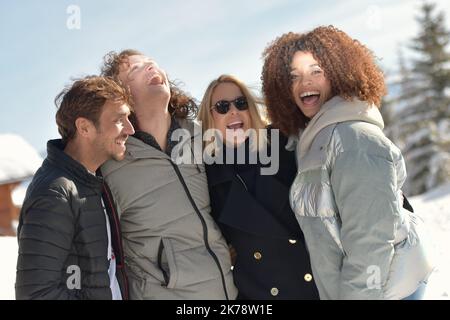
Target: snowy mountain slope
434	208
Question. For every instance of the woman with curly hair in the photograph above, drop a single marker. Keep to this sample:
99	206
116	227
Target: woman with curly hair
346	196
250	206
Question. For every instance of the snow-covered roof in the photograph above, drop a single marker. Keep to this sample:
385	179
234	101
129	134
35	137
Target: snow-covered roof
18	159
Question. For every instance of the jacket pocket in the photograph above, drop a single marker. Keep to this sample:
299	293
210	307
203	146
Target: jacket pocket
136	281
166	263
412	263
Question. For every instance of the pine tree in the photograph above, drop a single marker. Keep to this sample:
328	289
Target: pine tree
421	124
399	84
431	45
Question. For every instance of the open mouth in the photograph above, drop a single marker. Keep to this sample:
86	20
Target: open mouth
155	79
310	98
235	125
121	142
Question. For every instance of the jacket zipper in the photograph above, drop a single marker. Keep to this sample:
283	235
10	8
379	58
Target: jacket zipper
205	228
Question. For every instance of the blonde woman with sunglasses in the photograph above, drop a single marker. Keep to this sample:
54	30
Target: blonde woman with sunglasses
270	260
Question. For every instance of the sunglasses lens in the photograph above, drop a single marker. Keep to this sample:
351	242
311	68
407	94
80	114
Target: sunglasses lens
241	103
222	106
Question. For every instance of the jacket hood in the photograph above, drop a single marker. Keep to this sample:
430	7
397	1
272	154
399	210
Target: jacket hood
338	110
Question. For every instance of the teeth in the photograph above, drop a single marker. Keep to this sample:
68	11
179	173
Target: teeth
233	123
309	93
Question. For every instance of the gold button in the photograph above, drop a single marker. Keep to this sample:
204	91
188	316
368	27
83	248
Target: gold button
274	291
292	241
257	255
308	277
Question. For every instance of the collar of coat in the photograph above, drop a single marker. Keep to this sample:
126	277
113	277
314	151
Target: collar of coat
240	208
150	139
334	111
58	158
137	148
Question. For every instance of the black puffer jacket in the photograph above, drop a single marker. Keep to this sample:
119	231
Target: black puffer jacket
62	230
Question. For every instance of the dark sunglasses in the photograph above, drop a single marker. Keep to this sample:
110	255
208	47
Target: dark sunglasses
223	106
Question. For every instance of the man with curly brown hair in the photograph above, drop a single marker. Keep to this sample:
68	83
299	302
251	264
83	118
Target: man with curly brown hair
69	247
173	248
347	194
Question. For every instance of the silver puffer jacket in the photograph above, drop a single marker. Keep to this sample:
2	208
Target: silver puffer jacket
348	202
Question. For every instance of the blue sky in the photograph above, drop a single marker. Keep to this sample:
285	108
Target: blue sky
193	40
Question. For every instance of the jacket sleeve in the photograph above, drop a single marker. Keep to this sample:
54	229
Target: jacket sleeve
46	233
364	187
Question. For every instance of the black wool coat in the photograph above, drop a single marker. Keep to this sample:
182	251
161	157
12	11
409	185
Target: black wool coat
255	217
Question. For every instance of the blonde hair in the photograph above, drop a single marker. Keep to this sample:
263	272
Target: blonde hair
257	121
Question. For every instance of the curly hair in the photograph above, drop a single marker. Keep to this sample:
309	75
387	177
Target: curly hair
86	98
181	104
348	65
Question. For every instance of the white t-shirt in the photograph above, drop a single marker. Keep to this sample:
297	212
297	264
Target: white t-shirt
114	284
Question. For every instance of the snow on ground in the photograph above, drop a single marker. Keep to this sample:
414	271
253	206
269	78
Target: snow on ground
8	248
433	207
